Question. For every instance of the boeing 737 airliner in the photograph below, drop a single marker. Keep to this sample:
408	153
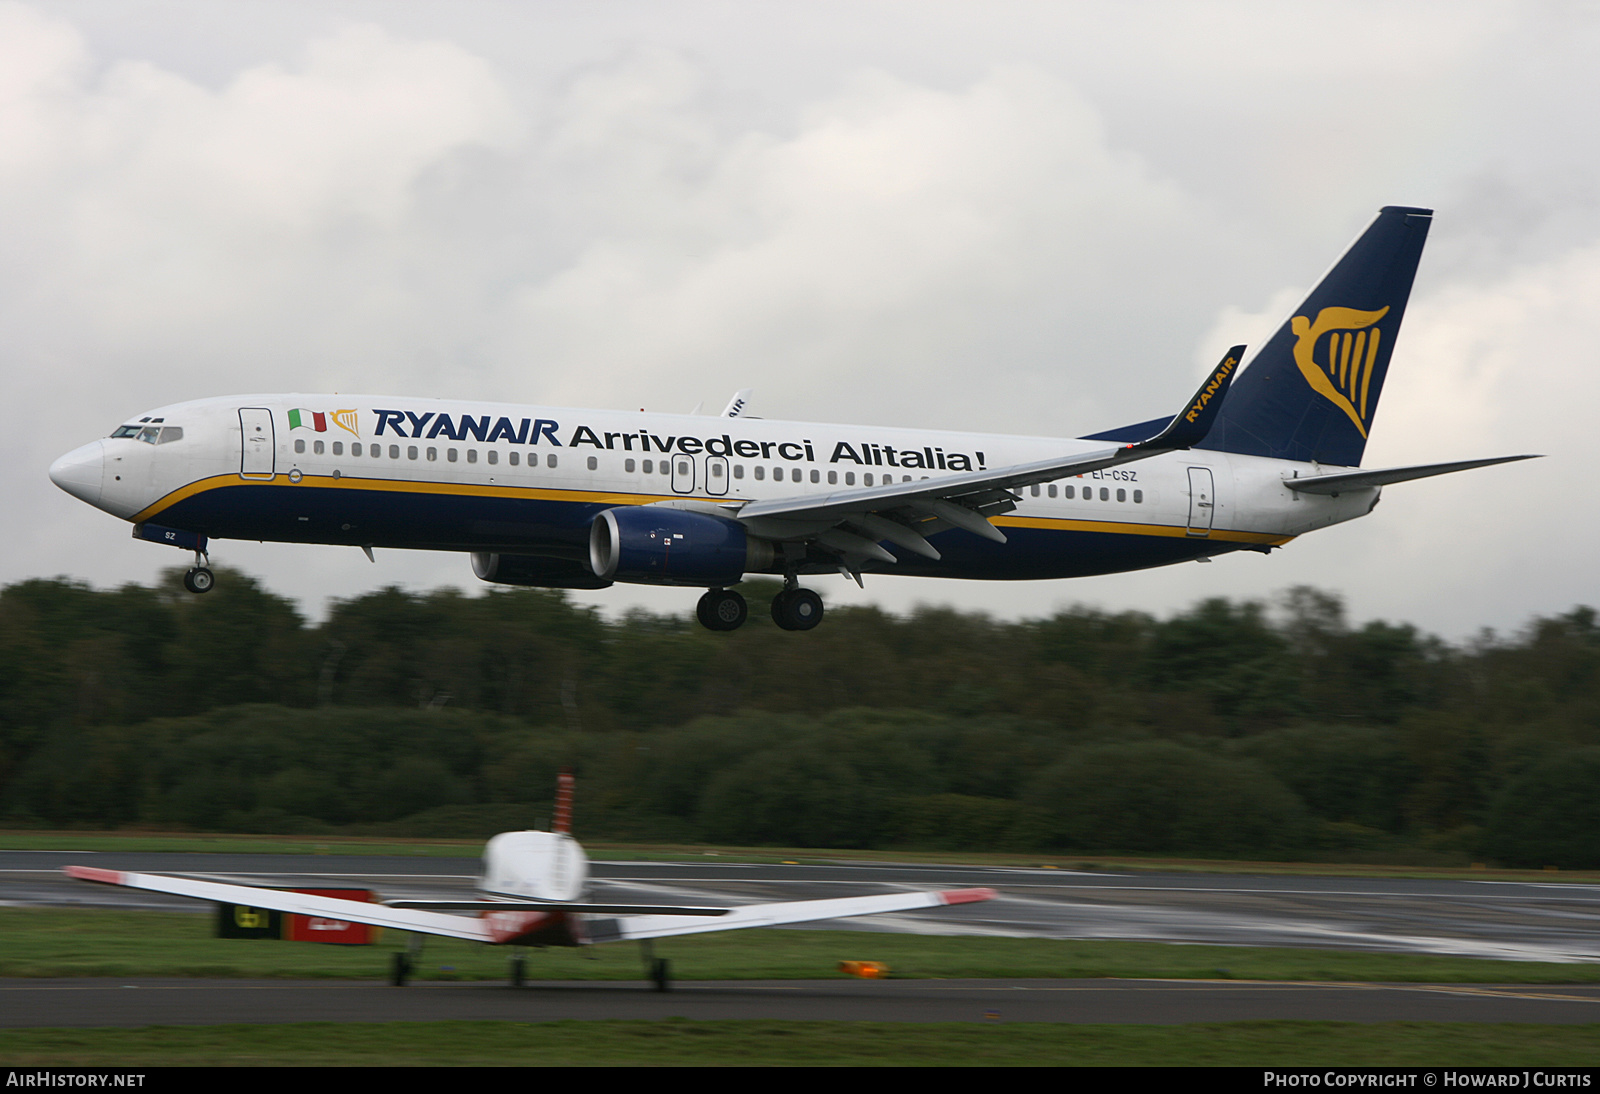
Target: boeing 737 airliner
580	499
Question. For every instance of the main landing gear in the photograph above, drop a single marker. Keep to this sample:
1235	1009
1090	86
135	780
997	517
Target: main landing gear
794	609
797	609
659	969
200	579
722	610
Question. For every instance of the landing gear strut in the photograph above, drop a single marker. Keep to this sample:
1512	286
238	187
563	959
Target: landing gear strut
658	968
721	610
796	609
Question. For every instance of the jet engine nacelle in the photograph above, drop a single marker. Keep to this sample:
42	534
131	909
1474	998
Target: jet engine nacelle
658	545
535	570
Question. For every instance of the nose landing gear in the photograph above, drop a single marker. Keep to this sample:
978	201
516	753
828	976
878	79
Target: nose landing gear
200	579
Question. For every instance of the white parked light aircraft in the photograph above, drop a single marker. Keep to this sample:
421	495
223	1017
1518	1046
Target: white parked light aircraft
533	886
584	498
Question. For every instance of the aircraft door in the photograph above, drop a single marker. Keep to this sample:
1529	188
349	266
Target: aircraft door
716	474
1202	501
256	443
682	473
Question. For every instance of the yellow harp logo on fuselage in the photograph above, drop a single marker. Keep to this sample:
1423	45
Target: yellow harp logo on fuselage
1344	373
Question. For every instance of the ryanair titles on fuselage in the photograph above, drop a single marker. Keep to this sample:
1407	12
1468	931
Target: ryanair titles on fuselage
490	429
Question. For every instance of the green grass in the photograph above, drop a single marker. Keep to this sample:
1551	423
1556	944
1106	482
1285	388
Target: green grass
58	942
678	1042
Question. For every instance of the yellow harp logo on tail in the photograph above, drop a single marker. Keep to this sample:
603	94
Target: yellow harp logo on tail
1348	355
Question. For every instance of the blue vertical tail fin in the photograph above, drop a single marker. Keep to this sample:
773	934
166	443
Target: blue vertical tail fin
1312	391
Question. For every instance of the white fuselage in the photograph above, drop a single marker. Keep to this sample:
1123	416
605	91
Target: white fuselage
466	476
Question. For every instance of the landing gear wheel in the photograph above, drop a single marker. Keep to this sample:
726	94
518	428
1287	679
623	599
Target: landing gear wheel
797	609
517	967
199	580
721	610
661	973
400	970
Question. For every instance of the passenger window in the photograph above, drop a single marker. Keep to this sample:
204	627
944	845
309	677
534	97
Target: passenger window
1034	489
394	452
550	460
514	457
777	474
433	454
1051	490
1122	495
593	463
355	449
761	472
494	455
628	466
338	448
316	448
472	455
738	470
450	454
716	470
1138	497
816	476
1105	495
300	446
411	451
833	477
849	478
1069	491
866	479
649	467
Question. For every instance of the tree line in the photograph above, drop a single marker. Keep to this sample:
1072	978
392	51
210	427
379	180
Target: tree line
1233	728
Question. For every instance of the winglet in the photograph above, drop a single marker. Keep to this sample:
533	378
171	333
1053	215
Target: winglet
1194	421
93	873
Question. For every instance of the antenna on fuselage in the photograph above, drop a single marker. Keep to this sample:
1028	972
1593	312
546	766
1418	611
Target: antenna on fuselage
564	785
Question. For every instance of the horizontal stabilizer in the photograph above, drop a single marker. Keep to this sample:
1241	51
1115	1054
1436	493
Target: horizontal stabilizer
1383	476
550	906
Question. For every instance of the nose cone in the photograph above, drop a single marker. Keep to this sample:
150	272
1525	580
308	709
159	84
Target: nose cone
81	472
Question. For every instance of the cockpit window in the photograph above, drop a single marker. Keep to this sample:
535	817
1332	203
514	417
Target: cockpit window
152	433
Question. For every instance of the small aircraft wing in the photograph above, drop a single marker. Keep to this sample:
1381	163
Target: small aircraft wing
773	915
1365	480
325	907
852	522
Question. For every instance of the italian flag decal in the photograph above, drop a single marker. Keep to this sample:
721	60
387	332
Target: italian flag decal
313	419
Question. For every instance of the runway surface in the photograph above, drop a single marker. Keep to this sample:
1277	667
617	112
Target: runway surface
142	1002
1547	921
1521	920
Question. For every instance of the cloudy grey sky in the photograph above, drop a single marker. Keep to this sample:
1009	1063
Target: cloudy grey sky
1017	217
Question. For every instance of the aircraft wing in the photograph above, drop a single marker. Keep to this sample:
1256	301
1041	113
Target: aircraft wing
325	907
1365	480
773	915
852	522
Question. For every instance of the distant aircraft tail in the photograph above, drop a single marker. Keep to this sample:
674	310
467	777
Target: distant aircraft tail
1311	392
